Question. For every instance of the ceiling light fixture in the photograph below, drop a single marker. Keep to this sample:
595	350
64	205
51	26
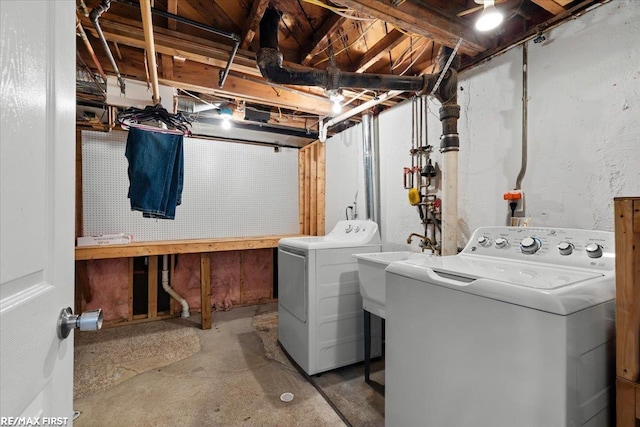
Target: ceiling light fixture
226	114
490	17
336	98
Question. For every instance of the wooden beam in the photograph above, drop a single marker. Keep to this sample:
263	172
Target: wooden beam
320	39
313	190
627	250
320	219
195	77
253	22
167	60
301	194
172	7
550	6
128	32
205	291
82	281
131	267
136	249
627	403
391	40
167	67
419	20
152	303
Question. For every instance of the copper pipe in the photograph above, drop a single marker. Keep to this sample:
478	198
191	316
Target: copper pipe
147	25
87	43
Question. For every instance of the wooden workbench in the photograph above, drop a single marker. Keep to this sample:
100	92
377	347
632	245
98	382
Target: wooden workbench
154	248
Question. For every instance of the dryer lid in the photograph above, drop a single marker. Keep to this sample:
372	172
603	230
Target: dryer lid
346	234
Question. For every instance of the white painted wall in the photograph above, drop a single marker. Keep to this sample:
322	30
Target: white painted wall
584	133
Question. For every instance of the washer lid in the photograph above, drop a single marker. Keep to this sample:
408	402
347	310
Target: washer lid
553	289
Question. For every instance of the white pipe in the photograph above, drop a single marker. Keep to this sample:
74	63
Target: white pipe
323	127
450	203
165	285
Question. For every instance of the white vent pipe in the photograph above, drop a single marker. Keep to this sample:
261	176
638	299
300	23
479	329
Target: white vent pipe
370	169
165	285
323	127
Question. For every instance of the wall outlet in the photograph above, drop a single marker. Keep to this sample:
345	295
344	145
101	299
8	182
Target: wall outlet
516	196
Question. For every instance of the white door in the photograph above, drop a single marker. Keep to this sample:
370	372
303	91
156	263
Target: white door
37	160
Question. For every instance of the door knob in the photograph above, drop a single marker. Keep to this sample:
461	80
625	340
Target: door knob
87	321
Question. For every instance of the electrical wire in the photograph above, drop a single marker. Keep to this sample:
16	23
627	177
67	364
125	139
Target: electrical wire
342	11
348	46
424	49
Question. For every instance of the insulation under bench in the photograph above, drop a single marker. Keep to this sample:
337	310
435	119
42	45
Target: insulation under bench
205	272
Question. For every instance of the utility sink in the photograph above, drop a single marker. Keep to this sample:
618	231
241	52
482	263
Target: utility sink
371	274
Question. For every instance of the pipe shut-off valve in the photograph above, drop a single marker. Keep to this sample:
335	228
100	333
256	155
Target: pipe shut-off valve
87	321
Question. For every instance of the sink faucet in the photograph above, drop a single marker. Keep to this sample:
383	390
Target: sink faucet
416	235
425	242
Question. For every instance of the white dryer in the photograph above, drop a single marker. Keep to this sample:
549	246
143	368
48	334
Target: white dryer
517	330
320	321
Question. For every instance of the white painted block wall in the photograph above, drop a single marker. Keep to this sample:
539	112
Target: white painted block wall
583	134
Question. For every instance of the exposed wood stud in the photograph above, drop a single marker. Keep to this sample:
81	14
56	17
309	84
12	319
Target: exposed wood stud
550	6
377	51
205	292
320	39
422	21
253	22
153	288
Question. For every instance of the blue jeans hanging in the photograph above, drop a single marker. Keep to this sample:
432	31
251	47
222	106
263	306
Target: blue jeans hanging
156	172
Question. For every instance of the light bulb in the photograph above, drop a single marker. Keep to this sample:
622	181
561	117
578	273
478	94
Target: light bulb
226	124
490	17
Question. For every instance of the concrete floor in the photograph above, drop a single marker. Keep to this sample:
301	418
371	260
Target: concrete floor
171	373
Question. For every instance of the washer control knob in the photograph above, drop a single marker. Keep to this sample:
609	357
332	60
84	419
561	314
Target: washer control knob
501	242
484	241
594	250
565	248
530	245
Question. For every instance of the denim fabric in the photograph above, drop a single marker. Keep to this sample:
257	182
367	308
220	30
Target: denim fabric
156	172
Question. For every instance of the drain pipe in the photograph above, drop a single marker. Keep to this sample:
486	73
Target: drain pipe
447	94
165	285
94	16
269	59
370	169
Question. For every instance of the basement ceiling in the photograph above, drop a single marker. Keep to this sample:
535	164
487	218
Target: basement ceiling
392	37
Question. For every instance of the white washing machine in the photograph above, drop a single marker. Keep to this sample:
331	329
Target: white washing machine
320	321
517	330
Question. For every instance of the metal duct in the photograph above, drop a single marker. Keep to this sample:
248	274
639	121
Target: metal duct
370	169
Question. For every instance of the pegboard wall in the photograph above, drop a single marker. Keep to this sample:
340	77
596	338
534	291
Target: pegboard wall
230	190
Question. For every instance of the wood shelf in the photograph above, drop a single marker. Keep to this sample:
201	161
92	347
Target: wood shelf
169	247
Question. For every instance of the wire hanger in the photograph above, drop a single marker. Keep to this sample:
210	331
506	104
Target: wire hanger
151	116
